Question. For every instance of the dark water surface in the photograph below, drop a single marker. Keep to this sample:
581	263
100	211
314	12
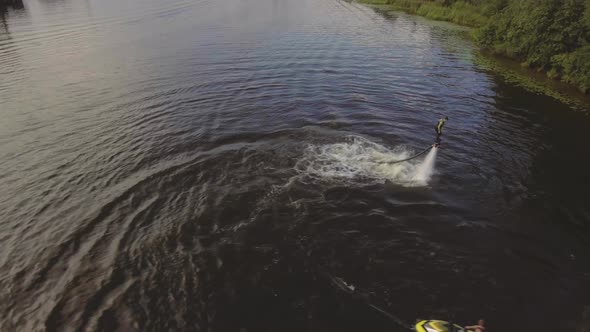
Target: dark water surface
215	165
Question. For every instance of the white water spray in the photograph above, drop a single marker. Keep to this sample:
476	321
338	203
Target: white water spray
359	162
356	162
425	170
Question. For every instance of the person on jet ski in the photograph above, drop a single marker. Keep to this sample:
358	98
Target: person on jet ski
480	327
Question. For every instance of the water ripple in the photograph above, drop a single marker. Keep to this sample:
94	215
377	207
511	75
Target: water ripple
190	165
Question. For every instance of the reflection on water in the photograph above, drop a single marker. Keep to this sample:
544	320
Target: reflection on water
5	7
13	4
216	165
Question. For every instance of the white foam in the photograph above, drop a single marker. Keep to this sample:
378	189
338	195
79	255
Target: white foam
425	170
358	161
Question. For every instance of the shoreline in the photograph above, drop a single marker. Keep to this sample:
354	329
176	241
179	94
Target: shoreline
509	68
460	13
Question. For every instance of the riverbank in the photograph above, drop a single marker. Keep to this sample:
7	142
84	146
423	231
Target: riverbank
548	36
461	13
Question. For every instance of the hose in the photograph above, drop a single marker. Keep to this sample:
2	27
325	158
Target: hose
407	159
341	285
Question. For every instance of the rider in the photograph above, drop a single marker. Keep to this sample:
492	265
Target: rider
480	327
438	128
440	124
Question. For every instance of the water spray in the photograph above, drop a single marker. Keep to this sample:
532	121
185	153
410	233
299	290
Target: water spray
358	161
424	172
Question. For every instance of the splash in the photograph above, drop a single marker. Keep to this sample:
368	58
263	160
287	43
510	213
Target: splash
424	172
358	161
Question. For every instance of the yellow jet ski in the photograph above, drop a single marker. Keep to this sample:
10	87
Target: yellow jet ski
438	326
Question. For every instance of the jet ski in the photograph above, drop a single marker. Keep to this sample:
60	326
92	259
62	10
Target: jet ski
438	326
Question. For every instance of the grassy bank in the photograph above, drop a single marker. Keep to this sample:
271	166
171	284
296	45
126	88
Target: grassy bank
460	12
552	36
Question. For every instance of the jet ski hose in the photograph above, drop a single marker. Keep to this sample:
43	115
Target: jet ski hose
410	158
343	286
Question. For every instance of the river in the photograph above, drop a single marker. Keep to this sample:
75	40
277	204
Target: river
201	165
